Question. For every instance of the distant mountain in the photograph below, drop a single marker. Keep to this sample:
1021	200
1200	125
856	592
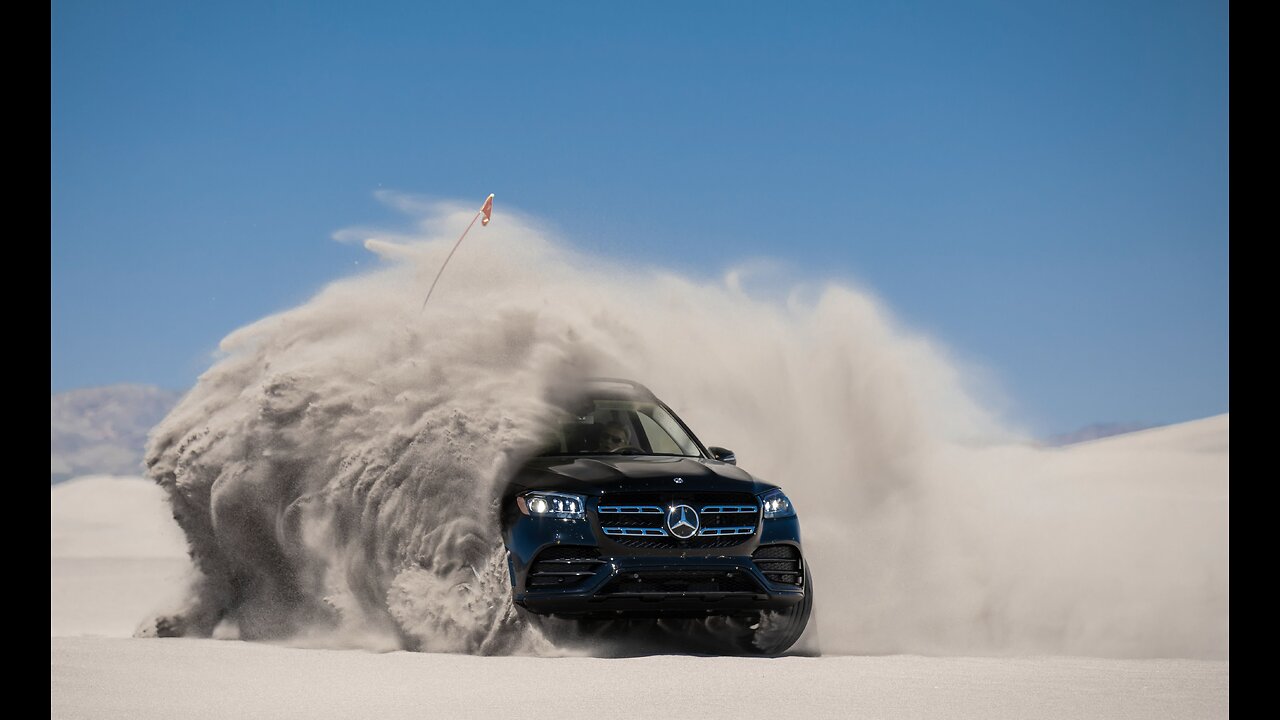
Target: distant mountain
1097	431
103	430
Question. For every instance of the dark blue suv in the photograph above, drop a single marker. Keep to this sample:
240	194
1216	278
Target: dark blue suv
626	514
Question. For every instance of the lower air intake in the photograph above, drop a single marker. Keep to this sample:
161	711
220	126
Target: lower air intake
780	564
680	583
562	566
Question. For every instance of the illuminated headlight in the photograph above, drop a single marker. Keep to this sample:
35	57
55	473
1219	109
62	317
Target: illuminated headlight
552	504
776	505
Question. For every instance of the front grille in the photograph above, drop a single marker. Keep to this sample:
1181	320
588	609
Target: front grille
670	542
780	564
562	566
639	520
681	582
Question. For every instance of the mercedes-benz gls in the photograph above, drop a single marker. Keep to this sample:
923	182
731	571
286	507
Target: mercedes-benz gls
627	514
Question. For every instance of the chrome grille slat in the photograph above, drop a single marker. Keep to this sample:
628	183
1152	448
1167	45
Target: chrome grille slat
635	531
728	509
703	543
629	510
712	532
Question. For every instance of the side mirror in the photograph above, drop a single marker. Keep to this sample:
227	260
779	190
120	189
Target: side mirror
723	455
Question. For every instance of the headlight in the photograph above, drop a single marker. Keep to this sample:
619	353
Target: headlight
776	505
552	504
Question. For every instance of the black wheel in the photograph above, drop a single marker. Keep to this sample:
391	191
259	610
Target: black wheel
776	631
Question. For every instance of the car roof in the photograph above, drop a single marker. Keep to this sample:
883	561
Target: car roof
619	388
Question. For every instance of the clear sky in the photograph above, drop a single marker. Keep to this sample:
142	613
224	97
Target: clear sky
1043	186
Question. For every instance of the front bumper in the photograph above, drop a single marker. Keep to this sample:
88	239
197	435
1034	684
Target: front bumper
670	581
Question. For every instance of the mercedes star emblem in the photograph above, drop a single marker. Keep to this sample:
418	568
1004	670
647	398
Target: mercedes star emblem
682	521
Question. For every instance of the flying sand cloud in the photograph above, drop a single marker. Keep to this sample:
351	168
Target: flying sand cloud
335	470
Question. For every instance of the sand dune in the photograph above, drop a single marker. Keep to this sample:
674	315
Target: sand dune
105	678
116	557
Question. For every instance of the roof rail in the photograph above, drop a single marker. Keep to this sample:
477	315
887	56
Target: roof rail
637	387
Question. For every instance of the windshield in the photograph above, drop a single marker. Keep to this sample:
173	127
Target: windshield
622	427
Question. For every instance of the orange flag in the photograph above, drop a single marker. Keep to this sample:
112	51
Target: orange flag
485	215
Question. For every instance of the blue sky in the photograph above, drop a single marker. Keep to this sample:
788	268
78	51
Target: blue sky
1041	186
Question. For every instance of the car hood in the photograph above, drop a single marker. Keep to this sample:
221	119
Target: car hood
596	474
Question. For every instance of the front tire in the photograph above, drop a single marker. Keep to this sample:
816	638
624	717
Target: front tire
776	631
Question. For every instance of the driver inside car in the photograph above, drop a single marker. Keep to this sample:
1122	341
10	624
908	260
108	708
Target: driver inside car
613	437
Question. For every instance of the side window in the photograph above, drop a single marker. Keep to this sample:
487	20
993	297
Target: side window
659	440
